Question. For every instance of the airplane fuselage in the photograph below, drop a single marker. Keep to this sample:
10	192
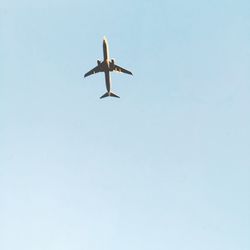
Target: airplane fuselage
105	50
107	65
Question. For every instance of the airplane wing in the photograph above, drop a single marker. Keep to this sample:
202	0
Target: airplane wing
93	71
122	70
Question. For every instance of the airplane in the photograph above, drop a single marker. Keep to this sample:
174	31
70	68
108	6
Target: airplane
107	66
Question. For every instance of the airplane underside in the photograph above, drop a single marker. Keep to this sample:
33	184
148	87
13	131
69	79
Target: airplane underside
106	67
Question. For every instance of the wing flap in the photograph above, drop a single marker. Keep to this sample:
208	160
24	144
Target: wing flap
95	70
122	70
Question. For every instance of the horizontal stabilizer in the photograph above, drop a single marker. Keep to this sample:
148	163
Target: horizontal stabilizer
105	95
109	94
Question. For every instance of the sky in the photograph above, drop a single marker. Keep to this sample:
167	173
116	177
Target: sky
166	166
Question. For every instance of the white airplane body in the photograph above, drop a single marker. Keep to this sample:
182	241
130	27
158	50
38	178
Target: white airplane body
107	66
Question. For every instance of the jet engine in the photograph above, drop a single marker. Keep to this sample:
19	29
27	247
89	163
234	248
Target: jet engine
98	62
112	64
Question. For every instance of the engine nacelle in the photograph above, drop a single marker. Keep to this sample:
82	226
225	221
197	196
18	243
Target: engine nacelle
112	64
98	62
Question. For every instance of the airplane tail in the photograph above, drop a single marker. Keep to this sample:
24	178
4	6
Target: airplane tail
109	94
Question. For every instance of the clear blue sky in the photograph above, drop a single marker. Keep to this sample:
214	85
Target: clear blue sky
166	167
